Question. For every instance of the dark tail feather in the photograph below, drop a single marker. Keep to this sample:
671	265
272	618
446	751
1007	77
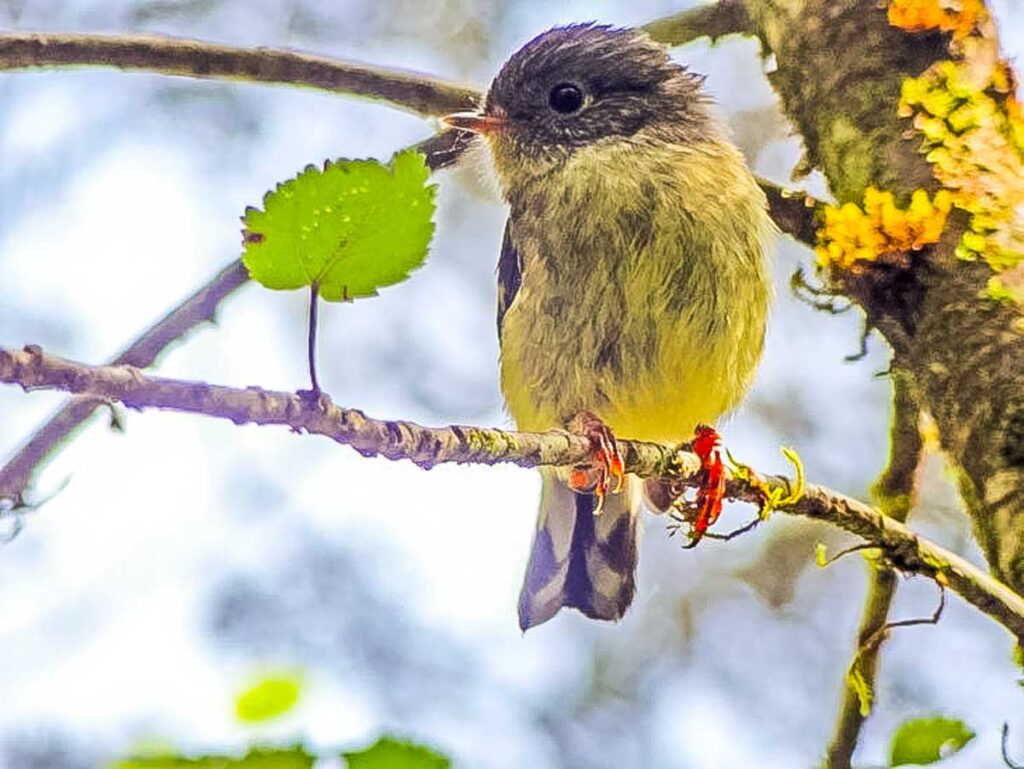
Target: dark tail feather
578	559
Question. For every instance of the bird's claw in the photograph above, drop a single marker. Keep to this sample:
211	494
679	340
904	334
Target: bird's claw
704	510
606	462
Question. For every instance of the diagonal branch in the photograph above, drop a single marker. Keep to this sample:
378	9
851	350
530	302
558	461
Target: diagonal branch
196	58
197	309
31	368
201	307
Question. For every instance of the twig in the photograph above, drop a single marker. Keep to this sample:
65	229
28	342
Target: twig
200	307
857	678
196	58
726	17
895	492
31	368
1006	749
796	213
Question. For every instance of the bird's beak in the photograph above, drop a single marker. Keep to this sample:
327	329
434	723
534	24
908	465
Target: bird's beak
474	121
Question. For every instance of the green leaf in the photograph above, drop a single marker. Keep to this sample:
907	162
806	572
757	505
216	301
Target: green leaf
389	753
927	740
257	758
352	227
268	698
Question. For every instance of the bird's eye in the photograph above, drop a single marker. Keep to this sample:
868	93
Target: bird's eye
565	98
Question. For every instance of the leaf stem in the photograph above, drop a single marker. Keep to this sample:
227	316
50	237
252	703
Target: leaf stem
314	303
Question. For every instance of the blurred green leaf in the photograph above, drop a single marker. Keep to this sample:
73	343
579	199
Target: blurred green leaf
257	758
927	740
352	227
389	753
268	698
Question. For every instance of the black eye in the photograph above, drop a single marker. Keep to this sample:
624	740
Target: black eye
565	98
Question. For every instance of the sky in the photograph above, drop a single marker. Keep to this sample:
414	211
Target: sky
186	556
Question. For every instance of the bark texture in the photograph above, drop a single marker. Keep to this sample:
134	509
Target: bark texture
840	69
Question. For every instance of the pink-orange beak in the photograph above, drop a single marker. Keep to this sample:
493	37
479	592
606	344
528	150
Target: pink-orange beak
475	122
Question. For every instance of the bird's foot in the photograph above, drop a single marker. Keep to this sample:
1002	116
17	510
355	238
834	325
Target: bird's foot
706	506
605	471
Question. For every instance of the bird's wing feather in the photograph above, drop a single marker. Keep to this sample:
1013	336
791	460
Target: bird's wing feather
510	274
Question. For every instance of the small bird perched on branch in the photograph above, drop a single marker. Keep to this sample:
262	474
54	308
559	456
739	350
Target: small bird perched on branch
632	283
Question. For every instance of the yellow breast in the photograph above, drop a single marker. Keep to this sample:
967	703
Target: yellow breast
644	290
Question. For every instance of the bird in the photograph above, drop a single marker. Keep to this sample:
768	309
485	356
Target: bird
633	283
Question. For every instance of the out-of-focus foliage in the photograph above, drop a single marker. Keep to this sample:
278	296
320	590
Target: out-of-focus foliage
349	229
389	753
296	757
927	740
269	697
386	753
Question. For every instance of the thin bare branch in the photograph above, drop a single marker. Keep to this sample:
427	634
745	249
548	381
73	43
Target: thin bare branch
715	20
31	368
422	94
200	307
894	491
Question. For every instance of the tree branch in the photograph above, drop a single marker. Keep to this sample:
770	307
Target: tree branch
195	58
726	17
895	493
31	368
197	309
796	213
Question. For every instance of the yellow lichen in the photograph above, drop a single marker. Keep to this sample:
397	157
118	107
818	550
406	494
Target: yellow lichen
967	113
960	17
879	231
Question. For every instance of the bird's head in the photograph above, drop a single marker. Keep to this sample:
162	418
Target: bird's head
579	86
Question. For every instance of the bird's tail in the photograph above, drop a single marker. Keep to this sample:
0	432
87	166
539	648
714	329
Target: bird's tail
579	559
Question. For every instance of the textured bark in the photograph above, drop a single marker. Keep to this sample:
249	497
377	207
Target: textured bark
840	66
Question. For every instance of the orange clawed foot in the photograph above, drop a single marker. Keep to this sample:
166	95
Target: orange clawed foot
605	472
707	505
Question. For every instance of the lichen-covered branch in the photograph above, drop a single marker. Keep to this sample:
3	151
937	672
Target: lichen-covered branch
868	120
31	368
894	493
196	58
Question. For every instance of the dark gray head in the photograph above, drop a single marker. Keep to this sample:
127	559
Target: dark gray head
582	84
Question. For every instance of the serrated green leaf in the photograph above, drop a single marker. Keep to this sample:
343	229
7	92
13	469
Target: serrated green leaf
257	758
269	697
352	227
927	740
389	753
